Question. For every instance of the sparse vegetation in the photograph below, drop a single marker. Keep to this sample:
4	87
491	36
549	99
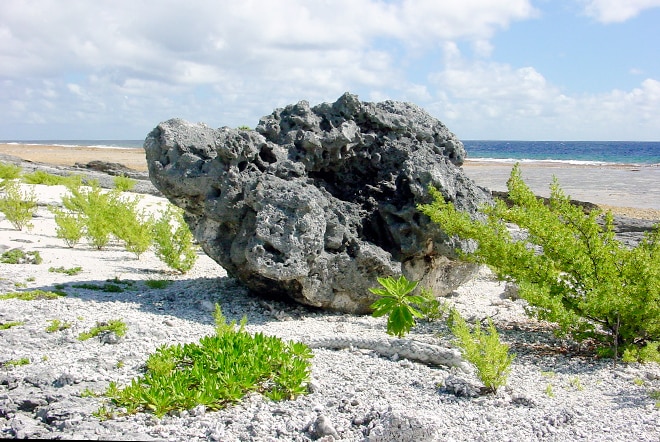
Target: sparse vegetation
31	295
10	324
116	326
70	271
16	362
57	325
19	256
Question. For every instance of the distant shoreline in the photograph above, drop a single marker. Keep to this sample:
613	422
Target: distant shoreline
609	185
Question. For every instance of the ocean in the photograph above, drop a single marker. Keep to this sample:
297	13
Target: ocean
573	152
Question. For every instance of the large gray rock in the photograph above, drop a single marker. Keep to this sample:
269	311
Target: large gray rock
317	202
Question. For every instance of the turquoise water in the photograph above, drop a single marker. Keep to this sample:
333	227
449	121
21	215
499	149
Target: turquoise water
622	152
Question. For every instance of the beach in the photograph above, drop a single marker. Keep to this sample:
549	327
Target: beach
630	190
556	391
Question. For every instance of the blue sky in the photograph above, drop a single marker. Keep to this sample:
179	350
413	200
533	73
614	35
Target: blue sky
488	69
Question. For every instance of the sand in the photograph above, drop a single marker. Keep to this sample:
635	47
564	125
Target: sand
629	190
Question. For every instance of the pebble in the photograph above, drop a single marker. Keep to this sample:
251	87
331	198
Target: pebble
353	395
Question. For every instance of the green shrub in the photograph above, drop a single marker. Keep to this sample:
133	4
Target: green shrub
132	227
398	303
484	350
18	207
45	178
173	240
70	226
583	279
32	295
215	372
157	283
124	183
57	325
18	256
9	171
116	326
70	271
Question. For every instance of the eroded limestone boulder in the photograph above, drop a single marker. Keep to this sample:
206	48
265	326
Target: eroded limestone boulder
319	201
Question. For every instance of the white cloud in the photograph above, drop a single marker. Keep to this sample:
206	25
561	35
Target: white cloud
483	99
616	11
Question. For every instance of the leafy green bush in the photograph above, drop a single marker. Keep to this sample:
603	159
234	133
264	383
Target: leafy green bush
70	225
18	206
173	240
9	171
484	350
132	227
583	278
124	183
398	303
216	372
100	215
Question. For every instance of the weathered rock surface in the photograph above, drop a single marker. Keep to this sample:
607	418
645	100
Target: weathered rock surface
317	202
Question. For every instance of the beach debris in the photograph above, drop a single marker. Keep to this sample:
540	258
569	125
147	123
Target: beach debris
317	202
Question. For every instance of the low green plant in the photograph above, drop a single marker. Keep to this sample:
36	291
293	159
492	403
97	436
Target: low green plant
67	271
70	225
30	279
576	383
431	308
18	256
88	392
638	381
9	171
173	240
549	391
215	372
45	178
398	302
157	283
17	205
32	295
244	127
16	362
483	349
106	287
10	324
57	325
124	183
116	326
581	277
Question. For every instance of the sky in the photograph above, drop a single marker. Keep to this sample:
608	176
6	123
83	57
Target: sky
488	69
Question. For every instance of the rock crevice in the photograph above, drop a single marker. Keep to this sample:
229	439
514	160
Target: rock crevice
316	202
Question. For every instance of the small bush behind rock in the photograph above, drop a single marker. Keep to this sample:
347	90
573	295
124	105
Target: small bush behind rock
581	277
